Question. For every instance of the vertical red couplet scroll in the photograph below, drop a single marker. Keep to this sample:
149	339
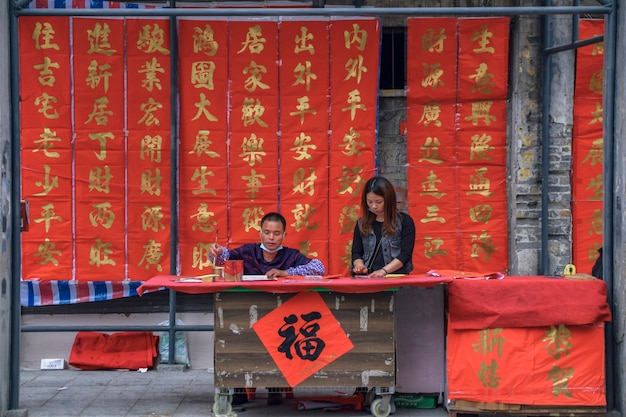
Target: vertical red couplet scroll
148	150
456	142
587	149
46	146
99	146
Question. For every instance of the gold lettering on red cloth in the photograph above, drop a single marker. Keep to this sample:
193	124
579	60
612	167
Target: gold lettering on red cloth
153	219
152	256
101	138
46	147
430	151
430	186
100	253
304	75
150	72
432	215
98	38
204	134
562	367
354	53
480	148
46	71
253	122
102	215
202	176
47	253
251	112
100	113
47	216
44	36
202	74
204	219
97	74
457	84
587	148
46	143
254	41
204	40
46	104
433	246
203	109
483	245
152	38
481	213
48	183
203	145
149	121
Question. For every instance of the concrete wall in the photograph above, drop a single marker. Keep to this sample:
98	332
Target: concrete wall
5	205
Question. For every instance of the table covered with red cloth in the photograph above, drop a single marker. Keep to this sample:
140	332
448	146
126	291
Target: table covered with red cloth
294	284
530	301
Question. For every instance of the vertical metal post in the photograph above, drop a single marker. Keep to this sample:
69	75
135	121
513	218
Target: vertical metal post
14	229
173	177
608	232
546	42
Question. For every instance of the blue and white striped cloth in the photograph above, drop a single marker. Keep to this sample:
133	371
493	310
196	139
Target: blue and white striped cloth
40	293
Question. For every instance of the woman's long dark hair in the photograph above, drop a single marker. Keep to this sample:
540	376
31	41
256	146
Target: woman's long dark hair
381	187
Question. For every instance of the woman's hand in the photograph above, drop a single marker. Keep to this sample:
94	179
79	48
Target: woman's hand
359	269
379	273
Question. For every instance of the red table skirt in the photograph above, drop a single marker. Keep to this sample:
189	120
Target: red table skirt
526	302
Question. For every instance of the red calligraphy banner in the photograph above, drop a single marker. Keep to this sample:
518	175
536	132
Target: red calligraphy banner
99	149
304	123
431	65
587	232
354	63
204	127
483	59
148	106
457	143
435	213
431	144
561	365
588	149
302	336
253	154
46	147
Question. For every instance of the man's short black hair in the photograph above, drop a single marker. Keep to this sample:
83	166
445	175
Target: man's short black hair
274	217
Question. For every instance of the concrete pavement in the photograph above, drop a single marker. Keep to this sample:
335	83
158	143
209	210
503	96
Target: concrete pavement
158	393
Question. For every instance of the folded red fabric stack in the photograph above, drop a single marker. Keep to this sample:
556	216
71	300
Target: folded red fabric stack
125	350
526	302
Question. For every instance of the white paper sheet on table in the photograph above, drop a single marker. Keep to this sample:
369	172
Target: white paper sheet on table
257	278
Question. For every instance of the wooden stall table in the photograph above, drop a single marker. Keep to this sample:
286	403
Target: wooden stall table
305	332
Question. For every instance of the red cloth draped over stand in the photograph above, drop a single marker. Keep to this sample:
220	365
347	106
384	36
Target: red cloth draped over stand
526	302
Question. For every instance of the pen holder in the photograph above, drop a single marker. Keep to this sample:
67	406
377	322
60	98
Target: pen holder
233	270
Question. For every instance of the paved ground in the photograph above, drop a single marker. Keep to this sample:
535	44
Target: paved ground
155	393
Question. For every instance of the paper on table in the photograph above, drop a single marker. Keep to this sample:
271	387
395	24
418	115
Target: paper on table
257	278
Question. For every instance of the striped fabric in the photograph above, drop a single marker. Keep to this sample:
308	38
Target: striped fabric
41	293
85	4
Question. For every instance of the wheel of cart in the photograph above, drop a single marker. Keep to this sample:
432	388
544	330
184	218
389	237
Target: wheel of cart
223	403
380	401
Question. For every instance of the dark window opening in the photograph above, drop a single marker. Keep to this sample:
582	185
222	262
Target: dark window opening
393	59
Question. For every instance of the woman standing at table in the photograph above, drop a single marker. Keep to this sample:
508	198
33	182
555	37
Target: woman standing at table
383	236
